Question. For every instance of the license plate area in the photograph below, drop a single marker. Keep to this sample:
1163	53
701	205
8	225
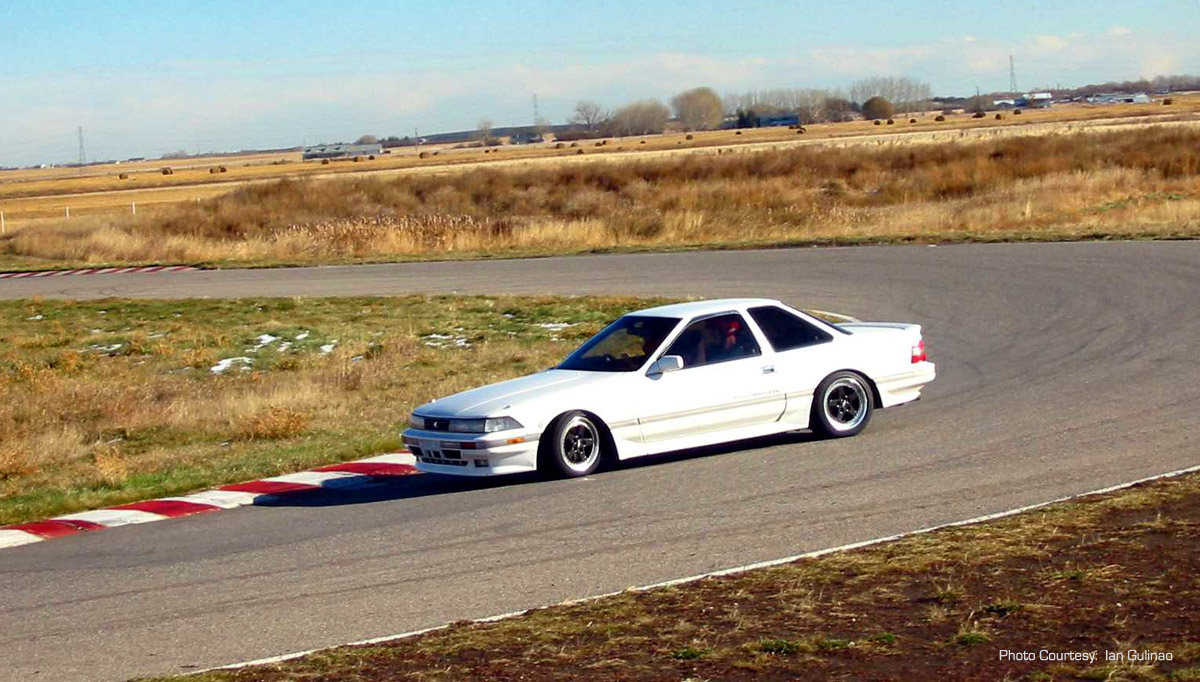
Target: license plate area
432	452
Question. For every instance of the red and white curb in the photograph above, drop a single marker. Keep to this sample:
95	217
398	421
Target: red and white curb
335	476
98	271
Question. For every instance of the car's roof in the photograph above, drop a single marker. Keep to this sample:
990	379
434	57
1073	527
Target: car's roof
694	308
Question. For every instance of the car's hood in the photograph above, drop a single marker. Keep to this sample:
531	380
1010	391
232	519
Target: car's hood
497	400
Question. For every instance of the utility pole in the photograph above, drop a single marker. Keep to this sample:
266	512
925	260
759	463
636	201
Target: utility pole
82	156
1012	76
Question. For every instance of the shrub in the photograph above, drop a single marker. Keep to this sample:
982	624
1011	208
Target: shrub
878	108
273	423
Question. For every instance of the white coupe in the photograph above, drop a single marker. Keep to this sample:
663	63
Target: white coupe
674	377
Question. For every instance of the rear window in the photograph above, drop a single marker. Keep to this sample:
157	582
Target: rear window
786	331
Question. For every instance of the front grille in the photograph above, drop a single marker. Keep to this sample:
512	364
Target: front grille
446	462
437	425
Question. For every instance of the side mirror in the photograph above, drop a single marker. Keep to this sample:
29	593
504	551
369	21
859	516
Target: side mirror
667	363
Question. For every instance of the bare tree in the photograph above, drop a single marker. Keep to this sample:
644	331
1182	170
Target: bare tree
649	116
483	129
905	93
590	115
367	139
698	109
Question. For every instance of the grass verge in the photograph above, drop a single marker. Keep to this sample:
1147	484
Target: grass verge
114	401
1105	574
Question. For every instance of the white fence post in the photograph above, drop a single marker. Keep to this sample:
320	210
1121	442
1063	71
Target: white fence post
133	205
68	208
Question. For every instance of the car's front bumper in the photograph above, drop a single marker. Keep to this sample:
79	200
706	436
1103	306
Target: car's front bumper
467	454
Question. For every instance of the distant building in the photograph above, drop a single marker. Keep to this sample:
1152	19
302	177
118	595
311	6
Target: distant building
778	121
337	151
1039	100
526	137
1120	98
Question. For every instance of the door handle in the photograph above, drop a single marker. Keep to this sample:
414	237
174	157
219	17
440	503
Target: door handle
768	369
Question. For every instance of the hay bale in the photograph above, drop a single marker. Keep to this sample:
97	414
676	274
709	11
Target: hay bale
878	122
690	137
212	171
978	114
560	145
642	142
371	157
999	117
891	122
599	144
1016	112
222	169
423	155
574	144
168	171
738	133
357	159
940	118
579	152
123	176
1168	101
324	162
912	120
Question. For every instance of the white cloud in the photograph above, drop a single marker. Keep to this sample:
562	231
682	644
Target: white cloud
1119	31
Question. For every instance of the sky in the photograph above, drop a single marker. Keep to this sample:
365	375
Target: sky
144	78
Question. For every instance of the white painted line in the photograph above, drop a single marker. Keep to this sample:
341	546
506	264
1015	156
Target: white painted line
722	572
225	499
113	517
16	538
325	479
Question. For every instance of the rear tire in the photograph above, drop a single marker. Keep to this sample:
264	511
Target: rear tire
842	405
573	446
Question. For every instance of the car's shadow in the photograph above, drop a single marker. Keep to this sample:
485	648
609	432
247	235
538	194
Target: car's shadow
428	485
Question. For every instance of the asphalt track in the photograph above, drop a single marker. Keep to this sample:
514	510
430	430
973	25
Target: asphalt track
1063	368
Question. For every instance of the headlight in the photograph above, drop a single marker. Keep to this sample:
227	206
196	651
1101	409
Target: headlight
500	424
467	425
416	422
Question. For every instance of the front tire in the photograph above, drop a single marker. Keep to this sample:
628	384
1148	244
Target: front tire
572	446
842	405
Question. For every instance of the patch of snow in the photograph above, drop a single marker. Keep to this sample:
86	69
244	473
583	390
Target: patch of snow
284	346
225	364
158	335
264	340
328	348
555	326
508	316
445	340
301	336
356	358
105	349
35	318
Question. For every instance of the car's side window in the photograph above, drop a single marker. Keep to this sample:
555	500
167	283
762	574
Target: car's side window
715	339
786	331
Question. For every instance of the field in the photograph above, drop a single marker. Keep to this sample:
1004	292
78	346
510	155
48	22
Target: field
1136	182
115	401
1100	576
32	197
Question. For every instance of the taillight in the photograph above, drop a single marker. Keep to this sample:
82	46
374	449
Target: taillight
918	352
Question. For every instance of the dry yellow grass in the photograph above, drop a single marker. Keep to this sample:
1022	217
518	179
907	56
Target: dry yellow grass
115	401
1141	181
29	196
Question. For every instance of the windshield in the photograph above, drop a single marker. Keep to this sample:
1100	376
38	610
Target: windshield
622	346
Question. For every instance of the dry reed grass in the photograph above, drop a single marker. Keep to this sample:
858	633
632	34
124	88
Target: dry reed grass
1142	181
